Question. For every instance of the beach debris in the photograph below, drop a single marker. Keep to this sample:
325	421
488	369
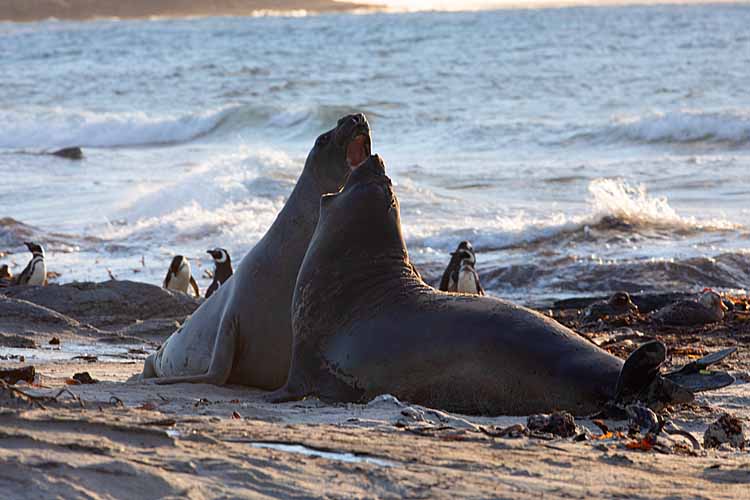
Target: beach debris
385	399
84	378
70	153
149	406
641	418
558	424
54	341
38	400
89	358
512	431
14	375
16	341
727	429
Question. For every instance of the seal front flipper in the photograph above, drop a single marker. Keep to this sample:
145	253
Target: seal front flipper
219	367
695	377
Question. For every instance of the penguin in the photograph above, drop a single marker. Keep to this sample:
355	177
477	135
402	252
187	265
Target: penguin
179	276
619	303
467	279
35	272
709	308
6	277
222	270
460	275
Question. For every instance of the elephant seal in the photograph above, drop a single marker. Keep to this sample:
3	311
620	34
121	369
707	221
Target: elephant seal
242	334
366	324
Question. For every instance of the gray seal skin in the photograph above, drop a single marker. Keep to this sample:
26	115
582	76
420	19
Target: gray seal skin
242	334
366	324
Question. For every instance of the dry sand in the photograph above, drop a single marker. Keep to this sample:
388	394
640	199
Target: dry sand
120	439
35	10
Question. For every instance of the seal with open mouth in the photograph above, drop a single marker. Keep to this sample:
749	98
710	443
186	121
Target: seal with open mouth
365	324
242	334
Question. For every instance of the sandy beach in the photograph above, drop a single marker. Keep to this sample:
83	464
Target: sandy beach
121	438
35	10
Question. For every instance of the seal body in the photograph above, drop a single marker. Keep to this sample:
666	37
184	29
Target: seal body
242	334
366	324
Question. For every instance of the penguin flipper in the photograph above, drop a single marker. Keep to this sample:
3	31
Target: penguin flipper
220	365
212	288
480	289
452	267
23	278
195	286
165	284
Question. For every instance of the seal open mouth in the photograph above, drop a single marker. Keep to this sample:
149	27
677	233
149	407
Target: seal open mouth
357	143
358	150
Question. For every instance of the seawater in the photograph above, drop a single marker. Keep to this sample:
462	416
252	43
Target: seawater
582	150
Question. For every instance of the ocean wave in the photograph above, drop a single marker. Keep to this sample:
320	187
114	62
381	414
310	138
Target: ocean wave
57	127
618	211
685	126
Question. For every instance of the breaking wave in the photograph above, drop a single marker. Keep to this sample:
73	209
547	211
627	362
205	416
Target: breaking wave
50	128
617	209
686	126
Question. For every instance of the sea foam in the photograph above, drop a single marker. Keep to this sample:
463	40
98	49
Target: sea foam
59	127
685	126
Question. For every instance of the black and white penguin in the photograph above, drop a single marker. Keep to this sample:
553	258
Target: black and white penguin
35	272
460	275
179	276
222	270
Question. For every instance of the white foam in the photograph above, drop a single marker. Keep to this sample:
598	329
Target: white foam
613	198
216	204
686	126
58	127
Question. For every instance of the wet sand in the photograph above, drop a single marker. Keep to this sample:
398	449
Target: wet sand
120	438
35	10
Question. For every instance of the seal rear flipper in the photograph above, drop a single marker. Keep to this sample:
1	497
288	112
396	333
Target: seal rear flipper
703	380
640	380
695	378
640	369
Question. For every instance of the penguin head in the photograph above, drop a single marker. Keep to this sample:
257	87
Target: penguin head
220	255
34	248
465	251
178	263
712	300
621	301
